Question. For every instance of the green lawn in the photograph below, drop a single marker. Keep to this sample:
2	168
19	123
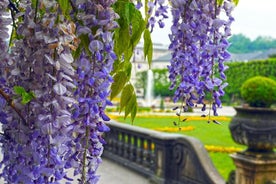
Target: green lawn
207	133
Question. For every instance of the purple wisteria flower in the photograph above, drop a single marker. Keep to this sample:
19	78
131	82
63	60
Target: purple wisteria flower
157	12
36	144
198	43
93	83
61	127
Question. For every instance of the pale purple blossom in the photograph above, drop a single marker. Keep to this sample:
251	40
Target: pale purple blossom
199	42
93	81
35	148
157	12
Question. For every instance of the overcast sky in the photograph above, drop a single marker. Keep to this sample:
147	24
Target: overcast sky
253	18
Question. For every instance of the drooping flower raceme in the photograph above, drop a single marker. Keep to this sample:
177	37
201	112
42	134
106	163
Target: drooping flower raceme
60	127
36	144
157	12
198	43
94	64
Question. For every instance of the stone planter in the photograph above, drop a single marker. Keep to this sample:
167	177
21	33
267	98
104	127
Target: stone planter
254	127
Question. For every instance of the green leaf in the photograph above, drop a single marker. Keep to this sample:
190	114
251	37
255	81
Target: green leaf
122	35
76	54
26	97
126	96
121	7
132	25
64	6
134	111
116	66
127	12
120	80
124	66
236	2
219	2
128	53
34	2
138	25
148	47
19	90
84	43
127	69
122	39
131	107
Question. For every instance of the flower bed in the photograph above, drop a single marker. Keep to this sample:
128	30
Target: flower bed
221	149
175	129
115	116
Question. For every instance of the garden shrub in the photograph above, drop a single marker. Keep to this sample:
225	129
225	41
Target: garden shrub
259	91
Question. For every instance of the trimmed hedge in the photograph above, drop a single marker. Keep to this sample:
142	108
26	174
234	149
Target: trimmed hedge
239	72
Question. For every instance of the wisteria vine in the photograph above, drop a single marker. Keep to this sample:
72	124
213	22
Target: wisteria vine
35	146
57	67
94	65
199	49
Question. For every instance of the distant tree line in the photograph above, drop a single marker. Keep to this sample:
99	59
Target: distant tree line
242	44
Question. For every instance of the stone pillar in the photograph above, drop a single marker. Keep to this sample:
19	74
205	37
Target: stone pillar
255	168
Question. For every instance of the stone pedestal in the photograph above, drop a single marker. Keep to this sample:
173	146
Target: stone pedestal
255	168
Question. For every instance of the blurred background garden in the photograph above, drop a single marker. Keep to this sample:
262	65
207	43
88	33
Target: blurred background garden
251	55
156	110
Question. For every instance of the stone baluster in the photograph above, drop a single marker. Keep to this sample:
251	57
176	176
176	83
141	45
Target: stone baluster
145	153
140	151
152	156
127	146
133	149
120	144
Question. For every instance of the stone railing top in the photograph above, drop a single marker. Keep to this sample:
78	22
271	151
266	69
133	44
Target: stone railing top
163	157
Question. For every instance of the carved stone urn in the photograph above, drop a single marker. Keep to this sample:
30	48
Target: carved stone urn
254	127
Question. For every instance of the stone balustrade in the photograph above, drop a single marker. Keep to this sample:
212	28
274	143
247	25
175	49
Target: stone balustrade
164	158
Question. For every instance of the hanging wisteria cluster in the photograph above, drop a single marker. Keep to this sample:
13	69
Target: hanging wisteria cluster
57	67
94	65
198	43
37	135
60	127
157	11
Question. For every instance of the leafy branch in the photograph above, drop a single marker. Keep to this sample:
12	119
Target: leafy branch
132	26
